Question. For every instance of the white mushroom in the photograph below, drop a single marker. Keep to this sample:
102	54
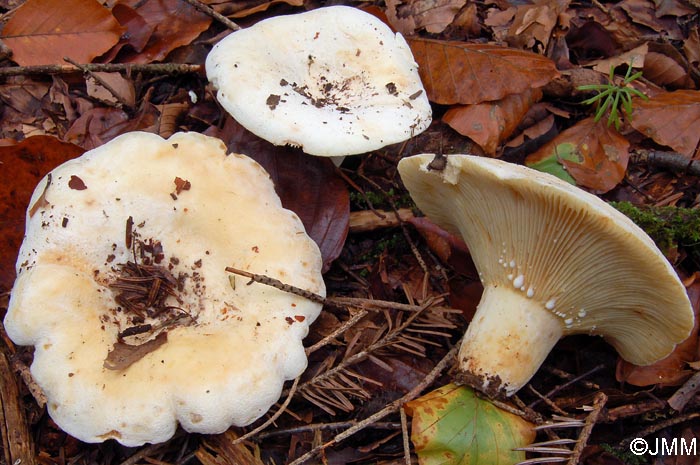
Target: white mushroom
122	290
334	81
554	260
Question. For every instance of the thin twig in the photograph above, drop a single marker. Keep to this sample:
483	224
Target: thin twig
276	283
272	419
390	408
673	161
150	68
101	81
591	420
207	10
547	400
625	443
357	316
556	389
405	436
322	426
686	392
340	302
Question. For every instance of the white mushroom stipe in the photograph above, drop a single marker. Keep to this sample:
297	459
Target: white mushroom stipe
100	230
569	251
334	81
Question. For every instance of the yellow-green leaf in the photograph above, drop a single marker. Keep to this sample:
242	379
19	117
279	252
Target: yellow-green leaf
452	426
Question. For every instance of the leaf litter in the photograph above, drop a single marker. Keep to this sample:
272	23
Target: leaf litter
503	79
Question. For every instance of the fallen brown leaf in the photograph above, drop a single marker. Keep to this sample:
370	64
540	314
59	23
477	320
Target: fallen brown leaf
100	125
594	154
43	32
670	118
490	123
175	23
123	355
408	16
263	7
456	72
30	160
533	24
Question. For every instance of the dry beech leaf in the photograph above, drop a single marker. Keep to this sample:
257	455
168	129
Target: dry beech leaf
175	23
533	24
30	160
123	355
122	87
490	123
664	71
407	16
99	125
456	72
138	31
670	118
594	154
672	369
263	7
43	32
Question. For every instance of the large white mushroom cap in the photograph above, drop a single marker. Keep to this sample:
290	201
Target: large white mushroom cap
334	81
554	260
218	351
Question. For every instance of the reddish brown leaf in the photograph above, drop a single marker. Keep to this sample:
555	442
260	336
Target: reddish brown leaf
456	72
263	7
533	24
175	23
672	369
490	123
449	248
594	154
671	118
434	16
138	31
307	185
25	164
665	71
99	125
123	355
43	32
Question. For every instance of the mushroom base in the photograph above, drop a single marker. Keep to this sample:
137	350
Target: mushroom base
506	342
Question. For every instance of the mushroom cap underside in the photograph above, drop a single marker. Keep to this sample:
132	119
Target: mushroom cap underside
558	245
222	350
334	81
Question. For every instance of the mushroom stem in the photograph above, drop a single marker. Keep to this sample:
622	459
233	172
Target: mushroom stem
506	342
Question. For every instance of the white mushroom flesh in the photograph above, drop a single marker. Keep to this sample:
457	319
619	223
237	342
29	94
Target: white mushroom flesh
549	252
229	346
334	81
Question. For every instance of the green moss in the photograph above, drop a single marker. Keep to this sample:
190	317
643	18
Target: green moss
669	227
389	243
625	455
381	201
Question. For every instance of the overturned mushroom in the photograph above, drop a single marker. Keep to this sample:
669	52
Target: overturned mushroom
554	260
334	81
122	290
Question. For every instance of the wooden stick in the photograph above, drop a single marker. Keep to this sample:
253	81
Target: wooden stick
150	68
18	444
